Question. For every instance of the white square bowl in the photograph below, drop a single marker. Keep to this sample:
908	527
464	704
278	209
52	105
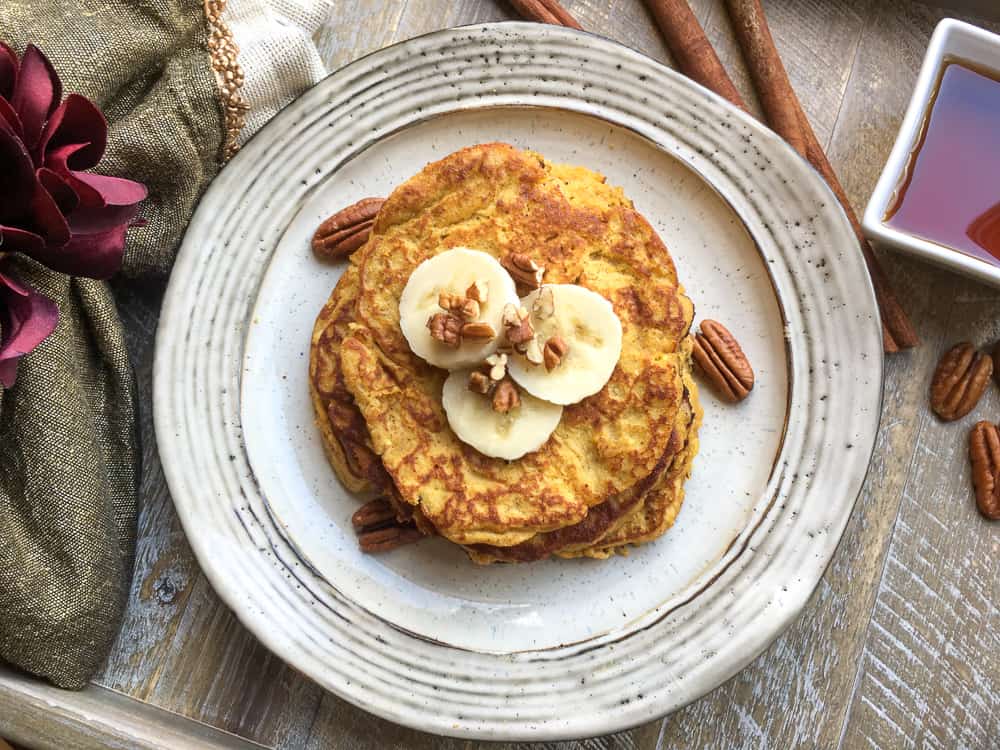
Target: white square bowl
951	39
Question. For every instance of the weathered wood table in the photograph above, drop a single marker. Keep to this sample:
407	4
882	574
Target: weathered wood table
900	645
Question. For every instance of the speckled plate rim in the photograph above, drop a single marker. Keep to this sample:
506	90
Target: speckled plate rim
617	680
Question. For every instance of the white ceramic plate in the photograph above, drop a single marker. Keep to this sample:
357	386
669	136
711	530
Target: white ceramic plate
560	648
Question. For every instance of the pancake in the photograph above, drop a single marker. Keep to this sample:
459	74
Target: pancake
642	513
501	200
343	429
658	509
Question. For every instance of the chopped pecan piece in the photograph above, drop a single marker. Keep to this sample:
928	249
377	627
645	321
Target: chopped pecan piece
379	529
959	381
478	330
446	328
498	366
505	397
532	352
517	325
479	382
544	305
555	349
523	269
479	291
459	306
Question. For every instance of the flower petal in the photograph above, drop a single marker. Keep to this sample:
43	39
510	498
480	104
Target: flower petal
117	202
8	372
36	93
14	240
17	175
77	121
26	319
95	220
8	71
47	219
8	115
56	159
105	202
115	191
65	197
10	284
97	256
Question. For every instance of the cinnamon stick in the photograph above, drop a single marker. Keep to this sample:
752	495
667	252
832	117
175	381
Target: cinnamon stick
786	117
562	15
681	31
691	49
774	89
545	11
696	58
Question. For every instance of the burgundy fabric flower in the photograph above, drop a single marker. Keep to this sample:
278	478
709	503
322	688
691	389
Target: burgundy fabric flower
26	318
71	220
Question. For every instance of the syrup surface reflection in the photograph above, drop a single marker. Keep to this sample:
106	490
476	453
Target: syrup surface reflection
950	192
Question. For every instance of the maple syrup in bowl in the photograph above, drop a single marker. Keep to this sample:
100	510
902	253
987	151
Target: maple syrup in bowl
950	188
938	196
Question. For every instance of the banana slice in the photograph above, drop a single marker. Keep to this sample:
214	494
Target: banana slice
591	343
455	272
524	429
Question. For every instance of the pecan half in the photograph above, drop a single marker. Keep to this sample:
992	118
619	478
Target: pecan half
720	359
996	362
523	269
347	230
555	349
446	328
373	514
379	529
389	538
984	453
959	381
506	397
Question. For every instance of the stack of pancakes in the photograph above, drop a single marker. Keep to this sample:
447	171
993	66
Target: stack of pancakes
612	473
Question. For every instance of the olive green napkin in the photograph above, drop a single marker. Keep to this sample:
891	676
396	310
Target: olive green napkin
69	456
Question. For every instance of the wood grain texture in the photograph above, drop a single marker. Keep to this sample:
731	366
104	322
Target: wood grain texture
180	648
800	692
898	646
796	694
37	715
929	672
